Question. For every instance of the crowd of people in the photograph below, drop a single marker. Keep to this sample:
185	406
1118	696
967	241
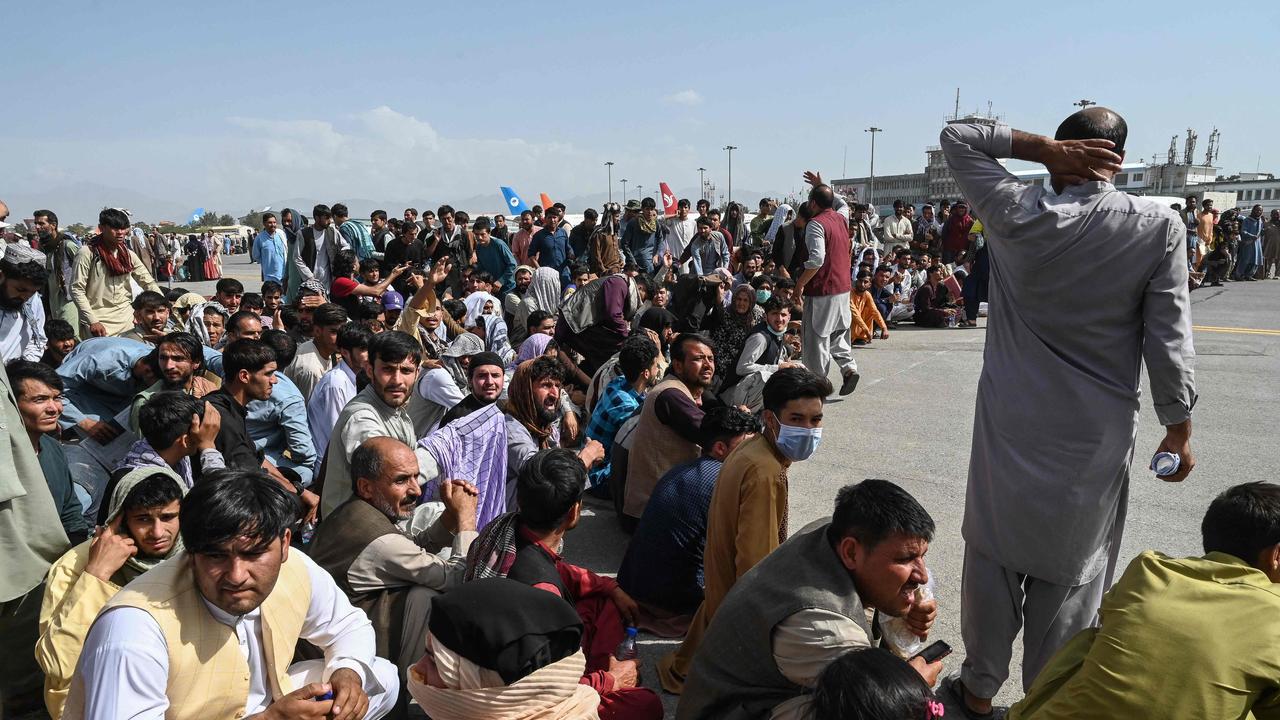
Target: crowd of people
348	494
1226	246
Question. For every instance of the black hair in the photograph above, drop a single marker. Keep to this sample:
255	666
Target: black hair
783	283
344	263
536	318
774	304
870	683
328	315
862	274
321	211
759	280
549	484
791	384
683	339
166	417
229	286
58	330
252	301
280	342
354	337
1243	521
339	210
267	216
482	223
546	368
366	462
155	490
1095	123
241	315
228	504
482	276
714	211
872	510
647	203
378	215
47	214
186	342
393	347
31	270
20	370
456	309
822	197
444	210
725	423
172	294
590	214
412	211
149	300
113	218
250	355
636	355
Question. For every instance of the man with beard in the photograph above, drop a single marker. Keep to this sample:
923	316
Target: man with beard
580	235
318	244
378	410
803	607
61	249
336	387
522	238
151	312
22	274
533	406
670	425
485	377
386	572
179	363
314	358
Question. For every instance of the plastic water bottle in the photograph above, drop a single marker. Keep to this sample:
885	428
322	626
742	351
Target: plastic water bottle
952	321
626	649
1165	464
896	633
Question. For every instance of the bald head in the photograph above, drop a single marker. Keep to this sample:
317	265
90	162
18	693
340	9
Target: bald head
1095	123
822	197
384	473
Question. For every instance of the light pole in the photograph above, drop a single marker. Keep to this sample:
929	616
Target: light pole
609	164
639	191
702	183
730	148
1082	104
624	191
871	191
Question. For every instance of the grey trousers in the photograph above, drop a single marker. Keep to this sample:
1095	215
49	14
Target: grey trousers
997	602
827	319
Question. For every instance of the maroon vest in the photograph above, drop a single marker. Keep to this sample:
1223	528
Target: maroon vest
834	277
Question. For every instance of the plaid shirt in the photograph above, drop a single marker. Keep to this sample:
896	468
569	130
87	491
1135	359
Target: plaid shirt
616	405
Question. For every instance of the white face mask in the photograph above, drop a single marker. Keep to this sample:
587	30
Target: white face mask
798	443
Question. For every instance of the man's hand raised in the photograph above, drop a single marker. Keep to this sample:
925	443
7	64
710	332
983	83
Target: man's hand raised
813	178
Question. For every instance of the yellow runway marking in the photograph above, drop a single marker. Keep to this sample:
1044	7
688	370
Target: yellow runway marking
1239	330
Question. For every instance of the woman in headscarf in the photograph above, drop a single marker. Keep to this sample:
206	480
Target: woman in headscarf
208	322
140	532
478	304
728	337
196	256
291	223
533	346
498	649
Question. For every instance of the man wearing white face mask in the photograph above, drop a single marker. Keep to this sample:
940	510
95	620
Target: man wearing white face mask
748	516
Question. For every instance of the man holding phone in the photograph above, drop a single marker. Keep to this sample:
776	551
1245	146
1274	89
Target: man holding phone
803	606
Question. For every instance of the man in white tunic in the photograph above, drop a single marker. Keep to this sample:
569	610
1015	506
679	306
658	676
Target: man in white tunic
1057	406
211	632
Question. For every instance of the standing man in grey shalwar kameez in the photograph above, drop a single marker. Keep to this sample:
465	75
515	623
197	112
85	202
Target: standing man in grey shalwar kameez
1057	407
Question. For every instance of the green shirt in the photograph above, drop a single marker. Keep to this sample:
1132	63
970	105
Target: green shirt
1185	638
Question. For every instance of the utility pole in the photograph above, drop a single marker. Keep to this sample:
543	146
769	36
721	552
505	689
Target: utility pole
1083	104
730	148
609	164
639	191
702	183
624	191
871	191
844	165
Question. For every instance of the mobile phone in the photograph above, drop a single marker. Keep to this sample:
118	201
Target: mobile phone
324	697
935	652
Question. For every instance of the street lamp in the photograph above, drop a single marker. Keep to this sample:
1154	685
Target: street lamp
1082	104
639	191
609	164
730	148
702	183
624	191
871	191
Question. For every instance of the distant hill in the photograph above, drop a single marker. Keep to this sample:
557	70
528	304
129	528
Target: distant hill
82	201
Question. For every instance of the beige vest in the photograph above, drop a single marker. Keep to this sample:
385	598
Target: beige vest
656	449
208	676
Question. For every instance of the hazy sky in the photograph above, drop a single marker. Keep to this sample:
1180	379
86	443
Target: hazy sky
233	104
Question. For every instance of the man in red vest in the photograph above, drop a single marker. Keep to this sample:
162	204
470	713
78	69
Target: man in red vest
825	285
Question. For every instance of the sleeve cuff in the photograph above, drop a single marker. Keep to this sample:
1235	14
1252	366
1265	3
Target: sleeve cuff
1174	412
1001	141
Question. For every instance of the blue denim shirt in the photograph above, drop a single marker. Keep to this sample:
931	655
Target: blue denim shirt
279	423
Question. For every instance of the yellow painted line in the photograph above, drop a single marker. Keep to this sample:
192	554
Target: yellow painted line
1240	331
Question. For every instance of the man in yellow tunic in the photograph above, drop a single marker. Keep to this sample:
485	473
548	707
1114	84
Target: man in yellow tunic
101	289
866	316
748	515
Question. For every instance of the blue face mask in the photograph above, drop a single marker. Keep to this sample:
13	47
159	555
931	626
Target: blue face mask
762	295
798	443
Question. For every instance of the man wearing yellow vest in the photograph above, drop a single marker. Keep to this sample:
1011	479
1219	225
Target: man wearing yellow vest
210	633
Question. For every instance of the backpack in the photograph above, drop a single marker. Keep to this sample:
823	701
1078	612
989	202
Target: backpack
585	307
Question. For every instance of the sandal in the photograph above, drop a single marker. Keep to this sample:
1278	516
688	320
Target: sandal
951	692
